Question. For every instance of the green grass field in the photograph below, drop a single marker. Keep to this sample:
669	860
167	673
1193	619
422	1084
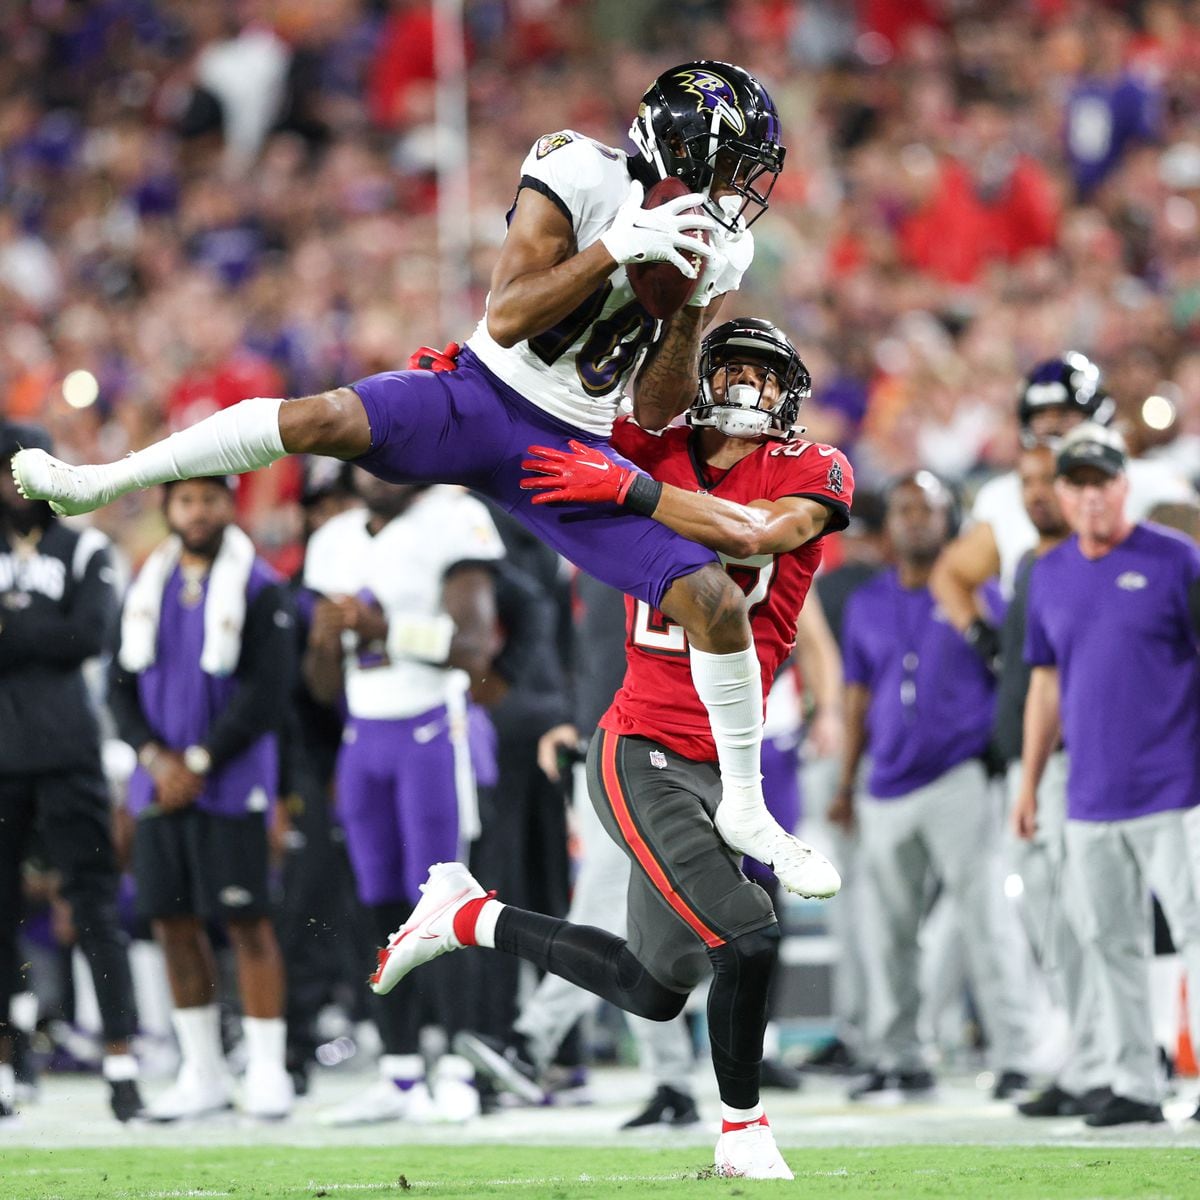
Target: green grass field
563	1173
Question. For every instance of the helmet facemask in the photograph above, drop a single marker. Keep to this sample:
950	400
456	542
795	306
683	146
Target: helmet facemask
742	410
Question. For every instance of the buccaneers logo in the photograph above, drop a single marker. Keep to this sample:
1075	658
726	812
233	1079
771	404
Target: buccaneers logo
715	94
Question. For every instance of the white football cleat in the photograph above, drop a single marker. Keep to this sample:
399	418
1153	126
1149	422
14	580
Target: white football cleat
798	867
267	1091
429	932
750	1153
70	490
382	1101
193	1094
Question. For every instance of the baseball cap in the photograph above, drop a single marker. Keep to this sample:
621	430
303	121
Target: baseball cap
1092	445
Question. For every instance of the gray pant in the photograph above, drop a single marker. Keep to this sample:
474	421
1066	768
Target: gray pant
599	898
1115	865
1053	921
948	828
842	913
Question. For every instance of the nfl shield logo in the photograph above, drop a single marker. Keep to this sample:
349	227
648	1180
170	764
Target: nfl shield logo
658	759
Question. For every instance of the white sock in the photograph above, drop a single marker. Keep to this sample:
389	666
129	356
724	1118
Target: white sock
119	1067
199	1032
266	1040
730	688
742	1116
240	438
8	1084
485	924
402	1069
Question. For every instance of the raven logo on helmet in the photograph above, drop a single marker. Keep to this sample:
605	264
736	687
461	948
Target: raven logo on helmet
714	93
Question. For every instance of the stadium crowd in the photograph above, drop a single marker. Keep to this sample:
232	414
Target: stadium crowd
970	190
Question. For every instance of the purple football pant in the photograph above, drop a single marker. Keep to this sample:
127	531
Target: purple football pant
397	801
781	788
468	427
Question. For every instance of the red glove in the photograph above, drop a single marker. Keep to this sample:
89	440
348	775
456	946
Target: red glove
585	475
426	358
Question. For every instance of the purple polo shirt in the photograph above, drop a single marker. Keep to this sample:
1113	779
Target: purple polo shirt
931	696
180	702
1119	631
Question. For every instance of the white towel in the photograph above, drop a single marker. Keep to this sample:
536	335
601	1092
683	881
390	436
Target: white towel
224	605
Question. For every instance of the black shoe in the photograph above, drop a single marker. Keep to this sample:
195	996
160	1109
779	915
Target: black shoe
668	1106
874	1085
1120	1111
1053	1102
833	1057
1094	1099
7	1112
778	1076
507	1064
1009	1084
125	1099
914	1085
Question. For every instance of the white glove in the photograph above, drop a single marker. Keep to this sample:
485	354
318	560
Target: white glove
734	252
640	234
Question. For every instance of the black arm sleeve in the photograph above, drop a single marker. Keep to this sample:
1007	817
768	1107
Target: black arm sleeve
126	707
265	675
70	636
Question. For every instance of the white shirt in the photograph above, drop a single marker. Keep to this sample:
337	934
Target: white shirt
577	370
403	567
999	504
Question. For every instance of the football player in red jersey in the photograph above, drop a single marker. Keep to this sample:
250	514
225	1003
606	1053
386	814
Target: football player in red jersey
739	479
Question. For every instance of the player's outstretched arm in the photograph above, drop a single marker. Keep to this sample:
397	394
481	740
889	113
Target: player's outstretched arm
586	475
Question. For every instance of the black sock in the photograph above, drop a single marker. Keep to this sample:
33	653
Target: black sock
589	957
737	1012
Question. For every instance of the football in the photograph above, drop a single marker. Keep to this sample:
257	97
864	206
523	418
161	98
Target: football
661	287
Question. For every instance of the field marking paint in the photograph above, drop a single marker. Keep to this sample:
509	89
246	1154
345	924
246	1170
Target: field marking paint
525	1181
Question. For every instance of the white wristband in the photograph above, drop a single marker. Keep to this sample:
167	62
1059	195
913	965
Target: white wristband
424	638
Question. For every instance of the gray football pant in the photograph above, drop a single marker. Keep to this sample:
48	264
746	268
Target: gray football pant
1115	865
600	898
949	828
842	914
1052	919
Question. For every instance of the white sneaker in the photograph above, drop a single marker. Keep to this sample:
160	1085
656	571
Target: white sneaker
797	866
193	1094
455	1098
750	1153
382	1101
267	1091
429	932
70	490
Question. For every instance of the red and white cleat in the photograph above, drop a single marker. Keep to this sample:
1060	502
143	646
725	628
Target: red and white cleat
750	1153
429	932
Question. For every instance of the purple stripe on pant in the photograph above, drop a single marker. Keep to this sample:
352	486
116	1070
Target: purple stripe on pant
397	802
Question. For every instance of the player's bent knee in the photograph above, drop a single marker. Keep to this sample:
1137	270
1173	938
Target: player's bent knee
333	423
750	953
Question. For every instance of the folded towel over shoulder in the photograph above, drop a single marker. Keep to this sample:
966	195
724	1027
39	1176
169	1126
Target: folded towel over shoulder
224	605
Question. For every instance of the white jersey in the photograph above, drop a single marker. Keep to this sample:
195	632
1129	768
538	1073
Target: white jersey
999	504
576	370
402	567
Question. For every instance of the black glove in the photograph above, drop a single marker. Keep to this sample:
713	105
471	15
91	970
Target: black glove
984	639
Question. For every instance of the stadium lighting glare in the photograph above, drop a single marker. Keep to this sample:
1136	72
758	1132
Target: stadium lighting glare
80	389
1158	412
1014	887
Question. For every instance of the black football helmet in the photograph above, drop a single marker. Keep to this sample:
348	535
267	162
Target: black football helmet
706	122
1071	382
742	412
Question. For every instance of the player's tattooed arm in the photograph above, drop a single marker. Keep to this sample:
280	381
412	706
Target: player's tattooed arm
666	381
742	530
539	278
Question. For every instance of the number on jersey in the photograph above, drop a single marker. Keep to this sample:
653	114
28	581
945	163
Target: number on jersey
660	635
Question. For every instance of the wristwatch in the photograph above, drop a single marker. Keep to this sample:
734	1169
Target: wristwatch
197	760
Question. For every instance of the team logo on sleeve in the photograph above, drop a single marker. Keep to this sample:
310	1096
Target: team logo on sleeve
836	481
552	142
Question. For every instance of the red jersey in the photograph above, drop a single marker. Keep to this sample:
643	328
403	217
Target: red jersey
657	699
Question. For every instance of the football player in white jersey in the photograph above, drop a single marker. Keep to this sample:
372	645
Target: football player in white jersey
562	334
